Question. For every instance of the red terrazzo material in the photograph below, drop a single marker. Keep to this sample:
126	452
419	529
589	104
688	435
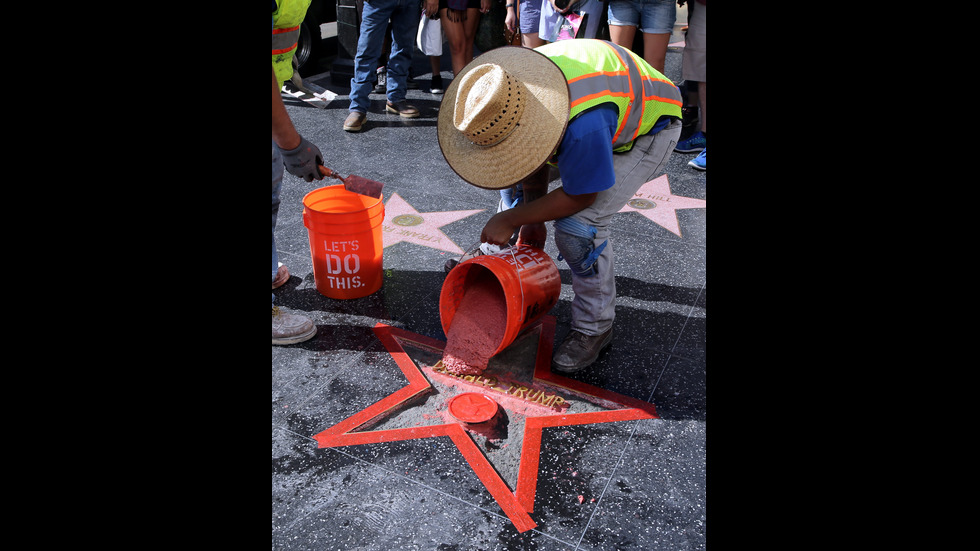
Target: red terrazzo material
477	329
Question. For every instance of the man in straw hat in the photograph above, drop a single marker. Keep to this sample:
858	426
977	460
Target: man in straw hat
598	112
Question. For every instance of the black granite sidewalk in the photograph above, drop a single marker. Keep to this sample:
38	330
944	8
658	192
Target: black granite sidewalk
631	484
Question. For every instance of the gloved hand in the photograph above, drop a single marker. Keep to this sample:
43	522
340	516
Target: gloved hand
302	162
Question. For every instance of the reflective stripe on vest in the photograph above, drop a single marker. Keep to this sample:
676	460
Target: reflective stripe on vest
284	40
601	72
285	35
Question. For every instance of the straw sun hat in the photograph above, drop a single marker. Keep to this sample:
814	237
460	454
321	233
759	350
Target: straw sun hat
503	116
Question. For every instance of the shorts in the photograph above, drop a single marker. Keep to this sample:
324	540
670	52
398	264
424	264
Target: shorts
650	16
530	16
470	4
694	66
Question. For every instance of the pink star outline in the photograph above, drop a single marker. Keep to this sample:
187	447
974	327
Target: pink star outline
403	223
655	201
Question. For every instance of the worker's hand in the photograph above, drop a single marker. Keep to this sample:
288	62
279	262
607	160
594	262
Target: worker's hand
568	7
431	9
534	235
498	230
302	162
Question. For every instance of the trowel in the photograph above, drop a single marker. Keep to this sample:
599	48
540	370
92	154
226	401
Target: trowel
356	184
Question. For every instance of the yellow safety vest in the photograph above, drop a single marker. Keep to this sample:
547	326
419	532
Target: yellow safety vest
602	72
285	34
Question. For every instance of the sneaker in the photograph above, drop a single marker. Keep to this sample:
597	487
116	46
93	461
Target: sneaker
696	142
579	351
402	108
382	82
435	87
354	121
290	328
698	162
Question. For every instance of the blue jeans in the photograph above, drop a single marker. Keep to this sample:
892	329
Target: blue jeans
277	171
404	16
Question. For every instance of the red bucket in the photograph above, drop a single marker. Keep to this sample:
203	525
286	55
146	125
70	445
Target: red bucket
345	241
528	279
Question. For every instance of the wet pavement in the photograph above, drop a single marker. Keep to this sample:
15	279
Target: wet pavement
366	452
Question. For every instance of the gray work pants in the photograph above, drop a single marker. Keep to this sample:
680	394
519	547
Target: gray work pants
594	303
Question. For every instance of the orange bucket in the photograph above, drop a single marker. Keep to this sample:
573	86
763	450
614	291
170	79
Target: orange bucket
527	276
345	241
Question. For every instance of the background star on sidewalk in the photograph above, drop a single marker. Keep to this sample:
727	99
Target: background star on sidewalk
403	223
655	201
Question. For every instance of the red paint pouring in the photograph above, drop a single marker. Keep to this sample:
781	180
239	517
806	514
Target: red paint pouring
477	328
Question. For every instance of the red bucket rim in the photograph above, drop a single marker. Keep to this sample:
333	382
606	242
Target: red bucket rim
332	190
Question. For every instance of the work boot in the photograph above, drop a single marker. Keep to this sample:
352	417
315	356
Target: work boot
579	351
354	121
402	108
290	328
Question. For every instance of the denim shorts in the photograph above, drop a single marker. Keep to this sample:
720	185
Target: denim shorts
530	16
650	16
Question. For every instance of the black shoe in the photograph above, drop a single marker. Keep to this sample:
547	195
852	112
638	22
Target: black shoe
579	351
436	86
381	85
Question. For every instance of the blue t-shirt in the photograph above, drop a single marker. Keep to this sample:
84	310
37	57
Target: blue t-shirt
585	158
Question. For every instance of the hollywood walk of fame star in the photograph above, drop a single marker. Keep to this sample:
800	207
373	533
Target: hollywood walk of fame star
589	405
655	201
403	223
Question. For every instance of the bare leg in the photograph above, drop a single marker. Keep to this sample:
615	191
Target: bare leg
655	49
460	35
531	40
622	35
703	104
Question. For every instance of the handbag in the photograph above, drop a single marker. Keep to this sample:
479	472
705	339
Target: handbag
568	26
430	38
